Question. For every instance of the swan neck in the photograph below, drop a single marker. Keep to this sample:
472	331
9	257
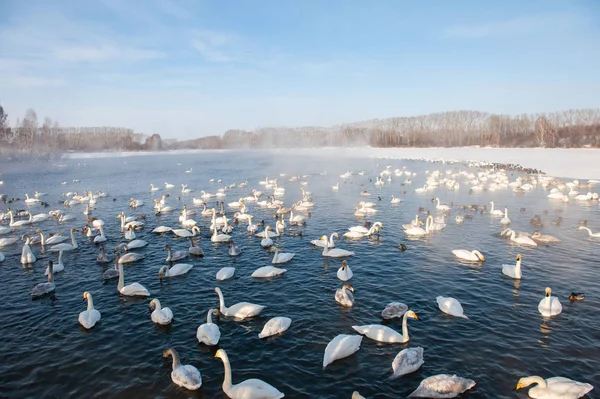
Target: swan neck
73	239
222	307
169	255
90	302
60	253
50	273
331	239
43	241
157	304
176	362
121	278
227	378
405	327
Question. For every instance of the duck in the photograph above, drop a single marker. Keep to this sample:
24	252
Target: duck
208	333
402	247
88	318
336	252
186	375
343	345
225	273
381	333
160	315
593	235
465	254
268	271
513	271
274	326
344	273
550	305
543	238
178	269
554	387
281	257
576	296
442	386
133	289
407	361
247	389
450	306
241	310
27	256
175	256
45	288
344	296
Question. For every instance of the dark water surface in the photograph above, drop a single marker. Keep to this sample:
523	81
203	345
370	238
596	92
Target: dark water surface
45	353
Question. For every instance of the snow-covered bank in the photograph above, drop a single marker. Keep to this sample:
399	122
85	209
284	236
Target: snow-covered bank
575	163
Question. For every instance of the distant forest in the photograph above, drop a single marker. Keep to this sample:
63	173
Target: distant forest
571	128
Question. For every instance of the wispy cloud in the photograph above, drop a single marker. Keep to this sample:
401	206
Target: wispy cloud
213	46
104	52
24	81
517	26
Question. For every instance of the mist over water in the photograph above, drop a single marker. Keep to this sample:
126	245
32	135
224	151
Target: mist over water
47	354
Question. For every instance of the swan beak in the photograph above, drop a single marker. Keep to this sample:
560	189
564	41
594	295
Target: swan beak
519	257
519	385
417	317
483	258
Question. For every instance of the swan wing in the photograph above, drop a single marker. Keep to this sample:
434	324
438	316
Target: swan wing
89	318
268	271
180	268
187	376
450	306
208	334
394	309
379	333
242	310
225	273
135	289
442	386
275	326
407	361
567	387
341	346
254	389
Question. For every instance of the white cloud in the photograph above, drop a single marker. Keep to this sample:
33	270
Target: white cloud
104	52
25	81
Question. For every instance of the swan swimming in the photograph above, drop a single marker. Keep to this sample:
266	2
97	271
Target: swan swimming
550	305
225	273
178	269
274	326
133	289
88	318
465	254
45	288
407	361
343	345
344	273
208	333
442	386
240	310
450	306
554	387
513	271
344	296
186	375
160	315
381	333
336	252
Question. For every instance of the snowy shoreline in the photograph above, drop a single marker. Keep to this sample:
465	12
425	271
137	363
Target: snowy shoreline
574	163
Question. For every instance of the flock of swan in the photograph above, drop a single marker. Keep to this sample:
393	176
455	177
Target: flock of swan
221	226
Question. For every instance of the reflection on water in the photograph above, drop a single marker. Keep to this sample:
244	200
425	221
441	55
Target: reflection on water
505	335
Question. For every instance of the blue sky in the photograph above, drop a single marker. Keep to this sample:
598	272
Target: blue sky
193	68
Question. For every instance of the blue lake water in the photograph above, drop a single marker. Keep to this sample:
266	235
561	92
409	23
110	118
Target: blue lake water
45	353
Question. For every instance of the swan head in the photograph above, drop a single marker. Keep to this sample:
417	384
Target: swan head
336	235
412	315
220	354
580	228
163	271
479	255
518	257
168	246
218	290
349	287
153	304
344	266
548	292
86	295
525	382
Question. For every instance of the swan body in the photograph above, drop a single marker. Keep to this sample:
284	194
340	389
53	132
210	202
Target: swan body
240	310
55	239
344	273
136	244
281	257
160	315
185	232
407	361
323	240
233	250
129	234
495	212
550	305
130	257
133	289
186	375
473	256
382	333
175	256
225	273
419	231
274	326
441	207
163	229
45	288
268	271
216	237
58	267
88	318
100	238
362	229
521	240
344	296
537	236
113	272
513	271
393	310
505	220
4	242
5	230
252	388
27	255
594	235
450	306
442	386
64	246
208	333
340	347
554	388
336	252
178	269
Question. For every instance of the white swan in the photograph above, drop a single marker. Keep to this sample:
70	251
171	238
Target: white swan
45	288
55	239
27	255
465	254
208	333
344	273
129	234
362	229
186	375
216	237
100	238
185	232
521	240
545	238
136	244
340	347
175	256
441	207
383	333
594	235
450	306
18	223
163	229
58	267
252	388
336	252
267	241
419	231
225	273
396	200
178	269
169	185
267	271
64	246
513	271
442	386
128	257
88	318
355	234
407	361
4	242
160	315
495	212
550	305
344	296
274	326
240	310
554	387
393	310
281	257
321	242
133	289
505	220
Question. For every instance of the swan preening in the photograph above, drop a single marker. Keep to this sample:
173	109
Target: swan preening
344	296
252	388
554	387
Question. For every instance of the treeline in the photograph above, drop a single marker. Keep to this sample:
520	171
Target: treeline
572	128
